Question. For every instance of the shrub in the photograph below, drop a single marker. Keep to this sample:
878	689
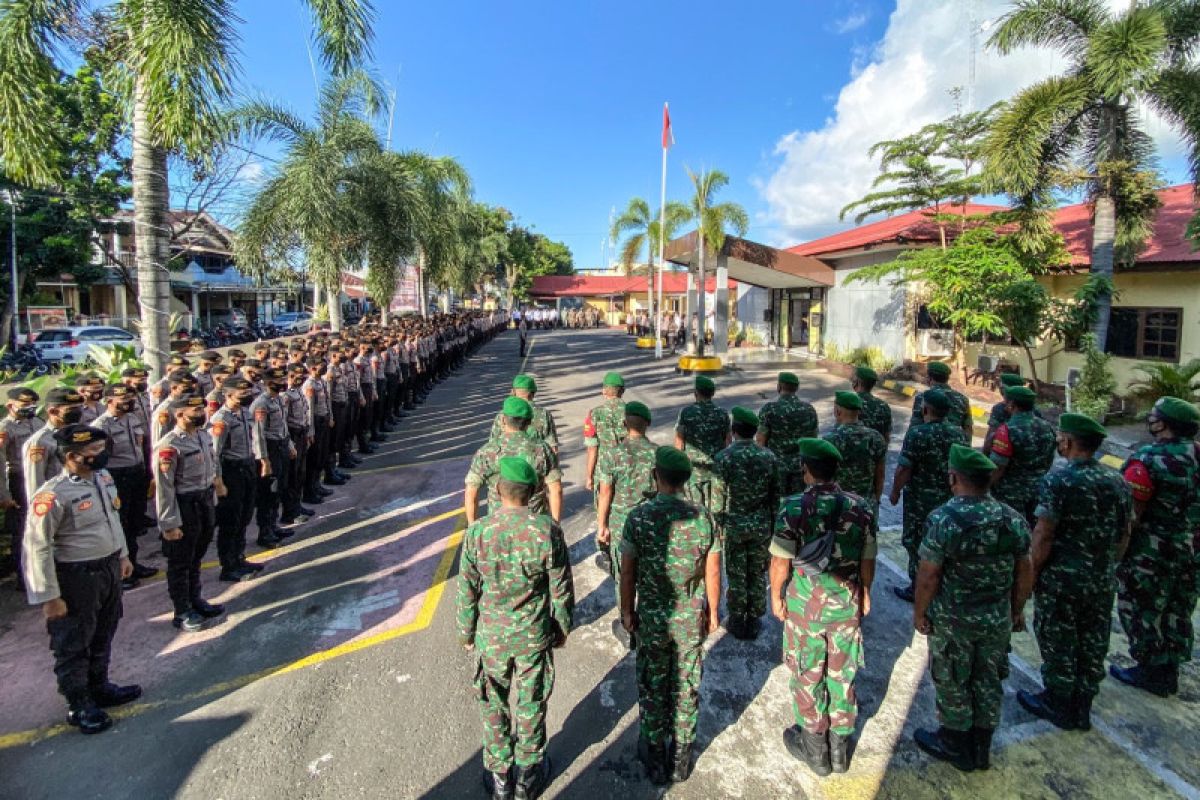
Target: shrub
1094	392
1166	380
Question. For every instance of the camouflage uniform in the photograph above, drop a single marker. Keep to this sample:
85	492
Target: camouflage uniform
541	426
876	415
783	422
671	540
630	473
1090	506
485	470
976	541
747	486
514	597
959	415
1157	584
862	449
604	429
704	427
999	415
926	451
1025	447
822	642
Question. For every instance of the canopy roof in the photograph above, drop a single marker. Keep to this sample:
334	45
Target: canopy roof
754	263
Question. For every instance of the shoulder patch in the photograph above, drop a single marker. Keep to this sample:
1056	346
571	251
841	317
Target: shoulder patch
42	502
163	418
260	414
1139	480
36	453
218	428
1002	442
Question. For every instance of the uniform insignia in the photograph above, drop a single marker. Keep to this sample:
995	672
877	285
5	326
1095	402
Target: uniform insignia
36	454
42	502
163	418
218	428
260	414
116	503
3	437
85	505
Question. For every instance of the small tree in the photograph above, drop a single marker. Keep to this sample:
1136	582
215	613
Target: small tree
1094	392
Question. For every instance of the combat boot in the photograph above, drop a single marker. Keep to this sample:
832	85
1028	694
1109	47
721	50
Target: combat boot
1145	678
1050	707
109	694
735	625
88	718
653	757
811	748
947	745
981	747
681	768
499	785
1168	675
1081	709
533	780
839	752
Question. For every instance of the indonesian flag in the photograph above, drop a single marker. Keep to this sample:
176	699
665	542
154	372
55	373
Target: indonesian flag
668	134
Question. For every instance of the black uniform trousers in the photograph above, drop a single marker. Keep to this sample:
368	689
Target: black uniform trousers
363	429
378	413
296	468
235	509
198	518
353	412
318	453
82	640
393	394
271	488
341	429
14	519
132	485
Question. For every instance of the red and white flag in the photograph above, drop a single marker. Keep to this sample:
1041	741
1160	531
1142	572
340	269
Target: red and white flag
668	134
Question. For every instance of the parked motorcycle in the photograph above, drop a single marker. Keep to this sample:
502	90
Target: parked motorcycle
26	361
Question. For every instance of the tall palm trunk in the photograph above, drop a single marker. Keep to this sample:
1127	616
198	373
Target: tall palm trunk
334	293
1104	235
700	297
150	205
421	301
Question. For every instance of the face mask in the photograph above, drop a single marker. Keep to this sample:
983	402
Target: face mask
197	420
243	400
278	387
125	408
27	412
97	461
141	387
72	415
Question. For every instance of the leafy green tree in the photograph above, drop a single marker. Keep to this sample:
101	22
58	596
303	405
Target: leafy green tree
641	230
1084	127
712	220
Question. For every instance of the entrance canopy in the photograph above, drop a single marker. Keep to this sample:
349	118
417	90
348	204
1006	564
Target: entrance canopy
754	263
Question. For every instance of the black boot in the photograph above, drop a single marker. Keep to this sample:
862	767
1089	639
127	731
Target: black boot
533	780
653	757
1146	678
88	718
735	624
1050	707
811	748
839	752
981	747
1082	711
681	766
110	694
947	745
1168	675
206	609
499	785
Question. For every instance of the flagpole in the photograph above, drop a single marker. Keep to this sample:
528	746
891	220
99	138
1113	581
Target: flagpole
662	249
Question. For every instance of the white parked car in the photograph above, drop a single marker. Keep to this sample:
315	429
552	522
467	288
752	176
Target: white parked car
293	322
71	345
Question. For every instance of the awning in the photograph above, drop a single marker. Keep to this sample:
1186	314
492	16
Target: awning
754	263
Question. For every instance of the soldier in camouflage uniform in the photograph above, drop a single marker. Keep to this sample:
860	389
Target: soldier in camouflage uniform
863	450
747	486
1000	413
1083	514
627	481
485	466
782	423
542	425
515	602
822	606
974	578
701	432
602	431
959	414
1023	450
1157	584
876	414
921	475
670	595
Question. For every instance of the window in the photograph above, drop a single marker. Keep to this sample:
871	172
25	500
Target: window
1151	333
927	321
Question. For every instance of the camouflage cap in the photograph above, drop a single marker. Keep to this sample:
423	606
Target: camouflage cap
669	458
517	470
78	435
818	450
517	408
848	400
636	408
1080	423
789	379
1011	379
1175	409
744	415
938	369
968	460
20	394
614	379
525	382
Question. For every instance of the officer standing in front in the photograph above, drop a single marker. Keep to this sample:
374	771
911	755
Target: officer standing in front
271	433
40	457
186	475
74	561
127	466
234	449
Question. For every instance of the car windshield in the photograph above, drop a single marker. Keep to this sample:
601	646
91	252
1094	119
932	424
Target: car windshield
288	317
53	336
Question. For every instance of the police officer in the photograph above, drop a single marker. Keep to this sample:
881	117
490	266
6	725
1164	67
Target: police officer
203	373
186	475
91	387
271	435
160	388
18	425
75	559
236	359
127	466
316	392
339	397
236	450
215	398
301	435
40	455
180	384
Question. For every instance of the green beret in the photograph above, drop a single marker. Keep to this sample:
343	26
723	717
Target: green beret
789	379
936	399
1011	379
866	374
637	409
1080	423
965	459
1019	393
938	369
671	459
78	435
744	416
818	450
1175	409
515	469
848	400
614	379
518	408
525	382
705	384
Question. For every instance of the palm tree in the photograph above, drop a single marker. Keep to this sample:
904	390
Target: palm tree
712	221
315	199
177	62
1084	127
641	231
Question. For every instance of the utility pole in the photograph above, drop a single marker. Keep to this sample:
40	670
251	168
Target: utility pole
16	311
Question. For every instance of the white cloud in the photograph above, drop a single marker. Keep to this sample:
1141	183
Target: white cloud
851	22
895	88
252	172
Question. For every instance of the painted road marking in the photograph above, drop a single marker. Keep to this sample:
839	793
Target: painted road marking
349	618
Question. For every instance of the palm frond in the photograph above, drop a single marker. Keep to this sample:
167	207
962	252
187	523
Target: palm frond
343	32
1176	96
1123	54
1182	20
1065	25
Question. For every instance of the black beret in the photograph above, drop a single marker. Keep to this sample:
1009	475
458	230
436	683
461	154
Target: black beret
237	383
187	402
117	390
78	435
275	373
62	396
22	395
134	372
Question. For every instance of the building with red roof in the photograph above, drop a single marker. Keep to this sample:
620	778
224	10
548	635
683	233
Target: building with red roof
615	295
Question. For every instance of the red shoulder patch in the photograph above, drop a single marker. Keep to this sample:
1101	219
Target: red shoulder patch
218	428
1002	442
163	418
1139	480
42	502
589	427
260	414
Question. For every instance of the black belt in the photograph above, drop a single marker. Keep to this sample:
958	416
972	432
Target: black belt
95	565
199	494
237	462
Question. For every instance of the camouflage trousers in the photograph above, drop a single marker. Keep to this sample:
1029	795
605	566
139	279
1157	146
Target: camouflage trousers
1072	630
518	733
616	528
746	558
699	486
916	510
1155	600
668	680
1019	495
965	662
823	659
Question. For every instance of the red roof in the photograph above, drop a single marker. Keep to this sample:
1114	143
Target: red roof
615	285
915	226
1168	244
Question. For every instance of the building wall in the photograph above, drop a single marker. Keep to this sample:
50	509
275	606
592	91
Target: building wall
864	314
751	303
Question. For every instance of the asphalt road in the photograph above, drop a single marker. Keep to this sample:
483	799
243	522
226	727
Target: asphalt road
337	673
